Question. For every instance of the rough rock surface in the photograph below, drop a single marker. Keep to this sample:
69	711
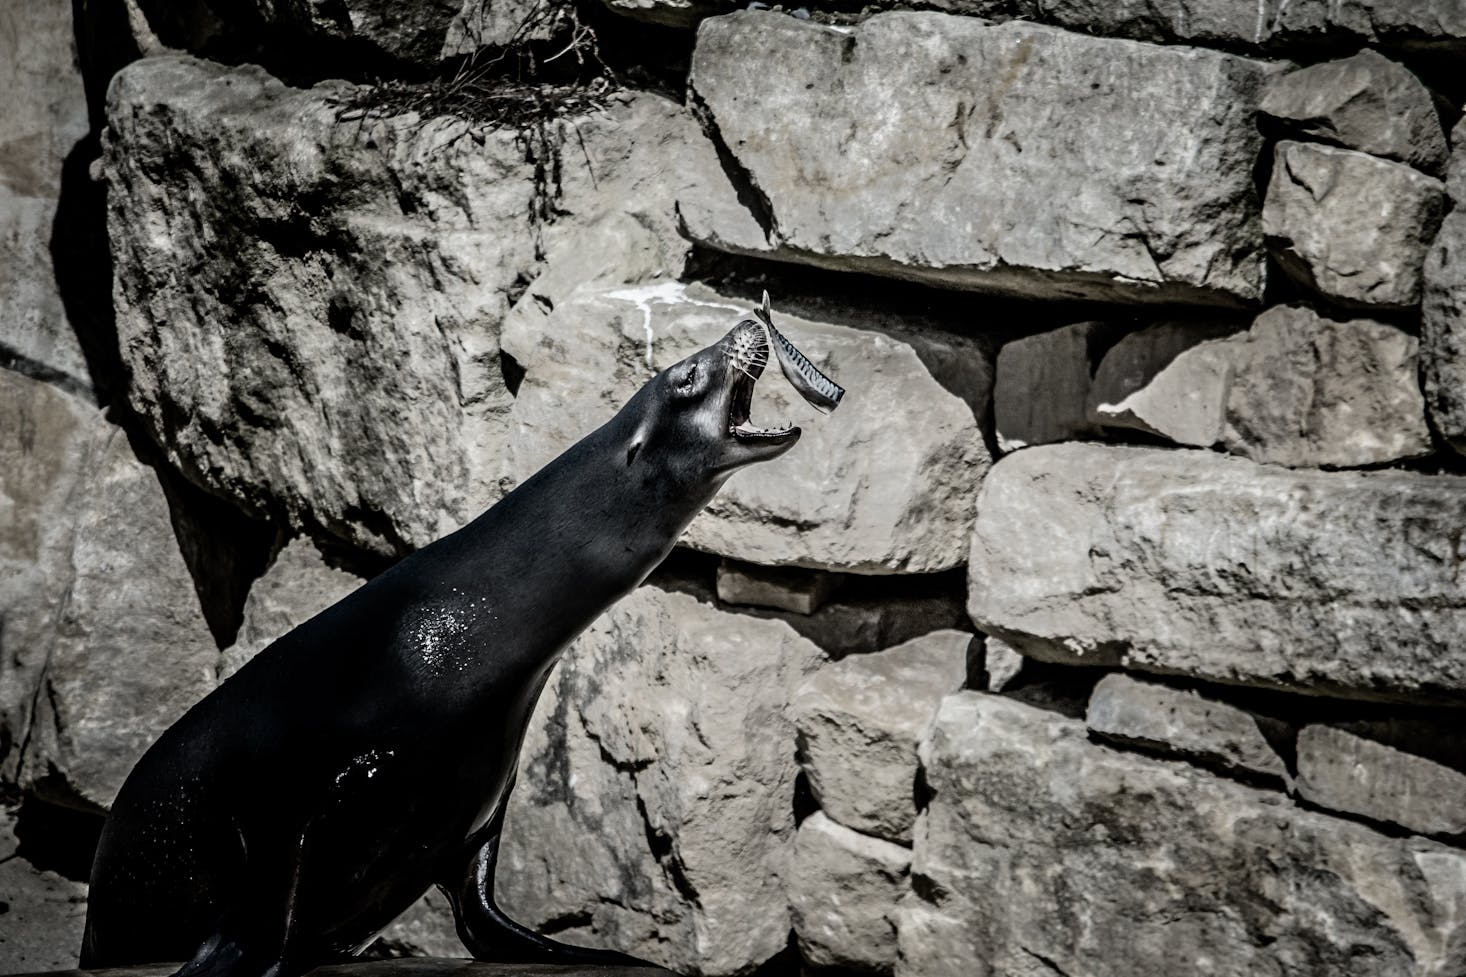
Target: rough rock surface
843	888
1365	102
1308	391
1456	168
1002	662
1343	771
887	483
1042	853
344	282
296	587
1270	25
1183	723
44	912
1199	564
38	129
1169	379
655	804
1041	386
859	721
797	591
671	13
104	644
1443	331
1350	226
931	147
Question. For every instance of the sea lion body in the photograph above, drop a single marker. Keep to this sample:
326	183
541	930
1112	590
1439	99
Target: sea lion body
368	754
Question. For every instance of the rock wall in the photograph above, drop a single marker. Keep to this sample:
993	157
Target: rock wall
1114	623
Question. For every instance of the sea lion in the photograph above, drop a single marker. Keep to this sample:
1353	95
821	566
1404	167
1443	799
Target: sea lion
368	754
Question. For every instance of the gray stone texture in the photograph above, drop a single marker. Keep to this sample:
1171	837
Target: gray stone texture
843	889
1443	331
104	643
1350	226
1269	25
40	123
44	912
1365	102
933	147
1002	662
1044	853
1198	564
885	484
797	591
1169	379
859	721
342	282
1344	771
1456	168
1041	386
655	804
1182	723
1308	391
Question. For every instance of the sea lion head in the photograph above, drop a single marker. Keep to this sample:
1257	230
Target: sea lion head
700	408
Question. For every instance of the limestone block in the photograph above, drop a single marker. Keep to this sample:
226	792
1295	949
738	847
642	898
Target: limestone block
933	147
1443	331
1043	852
843	890
1308	391
885	484
1041	386
1365	102
296	587
41	121
310	307
44	912
655	803
1193	563
1341	770
1350	226
104	643
1169	379
859	721
1269	25
797	591
1183	723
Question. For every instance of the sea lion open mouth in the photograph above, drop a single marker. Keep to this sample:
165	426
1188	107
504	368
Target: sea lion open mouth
747	349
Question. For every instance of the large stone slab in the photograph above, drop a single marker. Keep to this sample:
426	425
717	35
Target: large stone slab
1340	769
1195	563
933	147
843	889
1181	722
655	805
1350	226
104	643
859	721
1365	102
1310	391
1044	853
310	306
1443	331
885	484
41	122
1269	25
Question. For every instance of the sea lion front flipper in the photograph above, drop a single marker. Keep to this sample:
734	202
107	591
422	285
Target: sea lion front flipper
493	937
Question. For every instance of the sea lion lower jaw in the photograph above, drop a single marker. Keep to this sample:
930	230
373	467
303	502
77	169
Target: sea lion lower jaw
368	754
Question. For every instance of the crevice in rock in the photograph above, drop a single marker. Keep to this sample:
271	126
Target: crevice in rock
56	838
804	800
745	187
574	919
663	849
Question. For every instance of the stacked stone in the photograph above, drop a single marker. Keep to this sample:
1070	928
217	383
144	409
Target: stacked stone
1150	336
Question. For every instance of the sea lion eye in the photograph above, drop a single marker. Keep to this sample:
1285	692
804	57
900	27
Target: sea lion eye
689	379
